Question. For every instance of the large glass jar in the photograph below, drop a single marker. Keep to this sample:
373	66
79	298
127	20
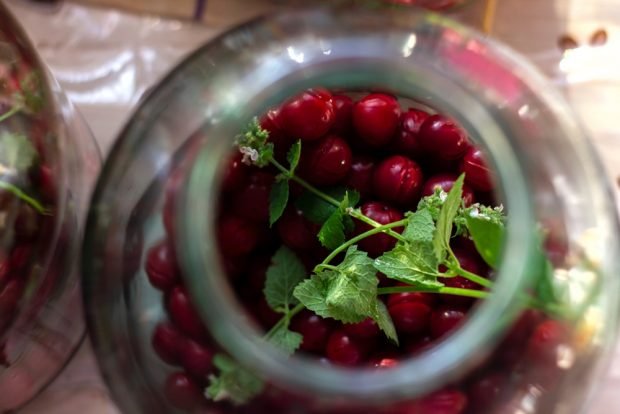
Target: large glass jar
537	341
48	164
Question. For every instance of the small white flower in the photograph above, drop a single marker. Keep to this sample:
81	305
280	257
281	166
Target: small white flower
474	212
442	196
250	155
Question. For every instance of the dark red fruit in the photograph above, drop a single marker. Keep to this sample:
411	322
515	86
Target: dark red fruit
257	274
510	350
266	316
26	223
546	340
308	116
410	317
343	349
20	257
366	329
421	297
235	173
376	118
376	244
196	359
272	123
296	231
184	315
442	138
360	175
343	114
236	236
47	183
327	162
470	261
417	345
182	391
252	201
384	362
398	180
486	391
444	319
407	139
314	329
447	401
161	266
445	182
167	342
477	174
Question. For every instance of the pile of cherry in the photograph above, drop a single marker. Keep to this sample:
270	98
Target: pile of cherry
392	157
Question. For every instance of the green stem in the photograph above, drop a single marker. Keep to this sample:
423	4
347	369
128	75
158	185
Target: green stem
23	196
474	277
358	215
471	293
354	240
10	113
285	319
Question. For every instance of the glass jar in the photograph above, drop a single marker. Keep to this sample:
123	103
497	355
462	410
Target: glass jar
158	204
48	163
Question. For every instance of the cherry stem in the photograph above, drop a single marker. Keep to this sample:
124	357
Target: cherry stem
10	113
474	277
470	293
23	196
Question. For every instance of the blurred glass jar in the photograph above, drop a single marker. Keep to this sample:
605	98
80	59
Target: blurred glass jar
48	164
162	181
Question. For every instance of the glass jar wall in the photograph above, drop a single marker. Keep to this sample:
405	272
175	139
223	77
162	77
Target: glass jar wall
179	252
48	163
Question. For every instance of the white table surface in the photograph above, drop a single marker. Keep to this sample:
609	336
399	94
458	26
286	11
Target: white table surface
105	60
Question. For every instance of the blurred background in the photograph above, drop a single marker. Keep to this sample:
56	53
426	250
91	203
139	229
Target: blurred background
108	53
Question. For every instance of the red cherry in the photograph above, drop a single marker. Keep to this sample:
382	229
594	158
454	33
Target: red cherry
47	183
445	182
272	122
398	180
442	138
161	266
448	401
26	223
343	114
343	349
444	319
366	329
308	116
235	173
544	343
257	274
510	349
296	231
421	297
314	329
485	391
167	342
477	174
236	236
252	201
376	244
196	359
20	256
417	345
471	262
326	162
184	315
376	118
182	391
360	175
267	316
410	317
407	139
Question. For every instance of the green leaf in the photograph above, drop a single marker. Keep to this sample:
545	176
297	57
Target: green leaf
17	154
414	264
347	294
331	234
293	155
285	339
350	199
285	272
449	209
420	227
318	210
488	236
31	91
254	146
278	198
384	320
233	383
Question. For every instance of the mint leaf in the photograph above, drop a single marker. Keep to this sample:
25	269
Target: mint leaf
331	234
384	320
318	210
449	209
350	199
278	198
285	339
17	154
293	155
285	272
414	264
420	227
347	294
488	236
233	382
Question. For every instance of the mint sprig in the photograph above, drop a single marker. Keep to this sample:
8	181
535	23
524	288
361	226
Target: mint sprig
233	383
283	275
280	190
